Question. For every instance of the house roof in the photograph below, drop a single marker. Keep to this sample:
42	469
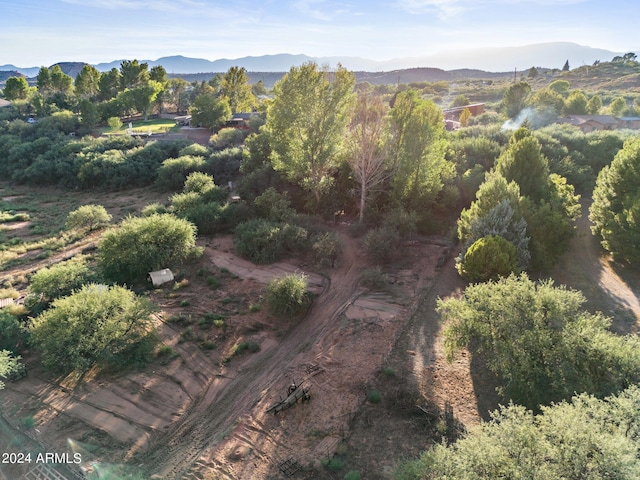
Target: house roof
582	119
4	103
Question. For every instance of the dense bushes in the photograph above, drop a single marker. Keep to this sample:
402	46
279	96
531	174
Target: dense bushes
488	258
584	439
98	325
615	211
138	246
287	295
539	341
262	241
61	279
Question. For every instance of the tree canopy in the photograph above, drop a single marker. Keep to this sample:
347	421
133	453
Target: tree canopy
97	325
615	211
585	439
138	246
539	340
307	121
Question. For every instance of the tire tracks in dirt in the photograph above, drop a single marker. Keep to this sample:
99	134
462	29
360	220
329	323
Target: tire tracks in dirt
237	389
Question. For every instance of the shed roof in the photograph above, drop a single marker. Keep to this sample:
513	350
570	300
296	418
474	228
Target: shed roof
161	277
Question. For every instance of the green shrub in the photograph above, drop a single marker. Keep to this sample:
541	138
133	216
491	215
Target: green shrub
262	241
381	244
97	325
335	464
142	245
374	396
61	279
326	248
374	278
213	282
227	137
153	209
88	217
13	334
352	475
287	295
174	171
488	258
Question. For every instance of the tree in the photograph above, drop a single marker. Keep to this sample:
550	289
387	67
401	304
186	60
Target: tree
464	117
141	98
617	106
576	104
546	99
585	439
114	123
209	111
594	105
515	98
133	74
259	88
306	122
60	82
366	146
109	84
88	217
61	279
488	258
236	90
460	101
615	211
8	364
141	245
561	87
539	340
16	88
565	67
533	72
523	163
98	325
87	83
418	151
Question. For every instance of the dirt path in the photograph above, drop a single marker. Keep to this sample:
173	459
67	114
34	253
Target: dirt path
241	386
587	267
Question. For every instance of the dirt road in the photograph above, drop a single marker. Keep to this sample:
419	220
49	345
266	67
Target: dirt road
240	387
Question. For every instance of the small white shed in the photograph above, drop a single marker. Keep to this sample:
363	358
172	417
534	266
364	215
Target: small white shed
161	277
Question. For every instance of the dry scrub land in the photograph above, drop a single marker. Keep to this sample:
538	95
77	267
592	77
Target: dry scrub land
380	387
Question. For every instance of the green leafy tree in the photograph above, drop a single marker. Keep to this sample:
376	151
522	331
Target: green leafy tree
287	295
594	105
236	90
460	101
561	87
515	98
109	84
61	279
142	97
306	122
133	74
88	217
209	111
539	340
140	245
615	211
418	149
87	83
585	439
524	163
8	364
16	88
97	325
617	106
89	113
488	258
547	99
576	103
114	123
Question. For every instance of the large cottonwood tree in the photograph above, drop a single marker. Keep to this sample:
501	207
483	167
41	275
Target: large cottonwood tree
307	121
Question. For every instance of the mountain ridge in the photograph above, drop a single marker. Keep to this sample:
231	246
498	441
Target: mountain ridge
490	60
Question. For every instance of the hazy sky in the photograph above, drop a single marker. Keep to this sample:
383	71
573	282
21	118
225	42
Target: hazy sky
42	32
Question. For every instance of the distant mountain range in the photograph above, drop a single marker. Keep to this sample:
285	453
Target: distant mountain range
546	55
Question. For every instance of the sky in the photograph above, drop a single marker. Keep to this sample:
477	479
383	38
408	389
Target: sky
43	32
